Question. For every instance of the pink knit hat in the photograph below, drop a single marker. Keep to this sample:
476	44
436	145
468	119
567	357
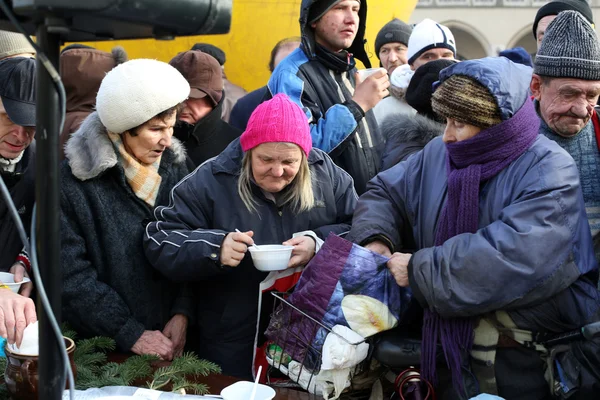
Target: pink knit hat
277	120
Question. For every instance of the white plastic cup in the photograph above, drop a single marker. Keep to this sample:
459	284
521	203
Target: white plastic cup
243	389
8	279
365	73
271	257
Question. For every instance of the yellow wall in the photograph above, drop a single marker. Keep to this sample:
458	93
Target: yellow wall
256	26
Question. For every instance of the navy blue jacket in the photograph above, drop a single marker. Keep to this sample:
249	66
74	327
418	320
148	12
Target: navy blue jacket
244	107
532	254
184	242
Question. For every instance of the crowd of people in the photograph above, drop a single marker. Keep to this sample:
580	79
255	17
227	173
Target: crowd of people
478	179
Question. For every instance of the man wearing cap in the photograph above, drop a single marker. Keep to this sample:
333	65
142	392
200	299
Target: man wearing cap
566	86
430	41
320	78
548	12
233	92
17	168
200	126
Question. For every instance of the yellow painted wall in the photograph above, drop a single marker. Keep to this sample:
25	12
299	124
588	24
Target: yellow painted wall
256	26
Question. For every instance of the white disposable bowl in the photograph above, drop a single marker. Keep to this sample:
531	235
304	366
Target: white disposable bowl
9	280
243	390
271	257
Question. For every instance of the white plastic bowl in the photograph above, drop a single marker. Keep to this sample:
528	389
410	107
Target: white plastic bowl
243	390
271	257
9	280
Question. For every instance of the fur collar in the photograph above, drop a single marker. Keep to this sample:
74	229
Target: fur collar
90	152
401	128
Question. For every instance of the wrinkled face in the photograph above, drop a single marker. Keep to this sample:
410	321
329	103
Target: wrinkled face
458	131
13	138
195	109
566	104
275	165
432	55
337	29
541	28
393	55
152	139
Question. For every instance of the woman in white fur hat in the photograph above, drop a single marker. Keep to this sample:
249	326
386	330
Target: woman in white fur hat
120	164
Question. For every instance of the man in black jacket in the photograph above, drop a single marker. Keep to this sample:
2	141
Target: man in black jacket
320	77
17	168
200	126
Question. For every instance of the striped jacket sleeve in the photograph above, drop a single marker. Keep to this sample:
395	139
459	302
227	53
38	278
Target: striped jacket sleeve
180	243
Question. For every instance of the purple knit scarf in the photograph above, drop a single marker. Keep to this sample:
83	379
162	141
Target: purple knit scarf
468	164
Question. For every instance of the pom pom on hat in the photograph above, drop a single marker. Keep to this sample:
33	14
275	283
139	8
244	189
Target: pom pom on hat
277	120
136	91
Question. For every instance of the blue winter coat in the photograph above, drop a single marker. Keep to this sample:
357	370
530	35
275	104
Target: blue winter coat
532	254
185	243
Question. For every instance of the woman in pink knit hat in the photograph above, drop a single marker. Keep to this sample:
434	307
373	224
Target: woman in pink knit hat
274	188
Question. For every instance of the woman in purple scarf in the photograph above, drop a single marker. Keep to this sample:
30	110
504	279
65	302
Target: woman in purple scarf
496	216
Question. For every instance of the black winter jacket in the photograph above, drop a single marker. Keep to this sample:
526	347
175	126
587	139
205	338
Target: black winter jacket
21	185
185	244
110	289
207	138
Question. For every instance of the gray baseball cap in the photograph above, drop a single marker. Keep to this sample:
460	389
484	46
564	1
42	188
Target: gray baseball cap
17	89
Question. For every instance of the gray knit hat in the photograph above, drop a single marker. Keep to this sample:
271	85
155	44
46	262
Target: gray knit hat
12	43
394	31
570	49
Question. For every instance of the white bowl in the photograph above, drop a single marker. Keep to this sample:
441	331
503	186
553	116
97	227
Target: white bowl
9	280
271	257
243	390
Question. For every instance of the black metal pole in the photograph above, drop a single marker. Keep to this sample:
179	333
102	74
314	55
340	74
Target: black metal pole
47	195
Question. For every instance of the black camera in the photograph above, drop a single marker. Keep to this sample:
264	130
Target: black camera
93	20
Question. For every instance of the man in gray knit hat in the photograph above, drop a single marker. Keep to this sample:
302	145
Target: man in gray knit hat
391	44
566	86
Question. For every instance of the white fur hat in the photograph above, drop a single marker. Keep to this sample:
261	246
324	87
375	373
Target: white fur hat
136	91
427	35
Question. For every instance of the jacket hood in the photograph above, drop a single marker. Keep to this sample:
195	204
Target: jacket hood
82	71
507	81
357	49
90	152
399	128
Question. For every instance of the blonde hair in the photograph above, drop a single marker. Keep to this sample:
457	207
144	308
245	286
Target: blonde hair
299	196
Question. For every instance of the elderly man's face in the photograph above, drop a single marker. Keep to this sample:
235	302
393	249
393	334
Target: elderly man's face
566	104
13	138
393	55
541	28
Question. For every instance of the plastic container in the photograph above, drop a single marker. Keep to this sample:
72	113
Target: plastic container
243	390
272	257
8	279
365	73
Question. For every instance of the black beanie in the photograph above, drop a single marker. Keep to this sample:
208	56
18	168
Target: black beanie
419	91
394	31
211	50
555	7
319	8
